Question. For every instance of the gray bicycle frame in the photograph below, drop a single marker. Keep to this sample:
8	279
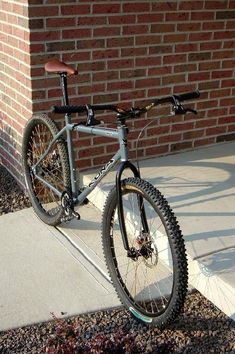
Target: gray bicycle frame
121	155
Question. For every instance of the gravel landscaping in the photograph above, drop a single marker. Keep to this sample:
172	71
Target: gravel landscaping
201	328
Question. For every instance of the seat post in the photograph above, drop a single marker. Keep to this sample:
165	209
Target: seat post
63	83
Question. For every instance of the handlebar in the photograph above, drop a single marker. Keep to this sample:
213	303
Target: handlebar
134	112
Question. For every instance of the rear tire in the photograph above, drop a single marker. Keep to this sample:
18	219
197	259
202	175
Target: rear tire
54	168
154	285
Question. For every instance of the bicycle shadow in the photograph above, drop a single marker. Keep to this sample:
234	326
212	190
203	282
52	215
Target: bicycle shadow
200	187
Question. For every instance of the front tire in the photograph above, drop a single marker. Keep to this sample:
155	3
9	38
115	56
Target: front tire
152	285
54	168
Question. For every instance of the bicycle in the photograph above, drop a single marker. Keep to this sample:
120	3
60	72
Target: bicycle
142	241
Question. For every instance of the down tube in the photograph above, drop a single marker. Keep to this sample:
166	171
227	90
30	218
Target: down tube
101	174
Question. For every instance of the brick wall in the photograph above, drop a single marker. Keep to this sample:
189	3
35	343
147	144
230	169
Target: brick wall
133	51
15	80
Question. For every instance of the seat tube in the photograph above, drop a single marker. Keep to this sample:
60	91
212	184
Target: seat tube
73	178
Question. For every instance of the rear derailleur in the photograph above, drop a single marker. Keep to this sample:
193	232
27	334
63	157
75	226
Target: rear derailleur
68	206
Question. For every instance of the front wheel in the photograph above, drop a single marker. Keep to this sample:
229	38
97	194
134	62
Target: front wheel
151	281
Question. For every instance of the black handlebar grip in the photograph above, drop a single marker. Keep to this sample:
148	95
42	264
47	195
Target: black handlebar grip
187	96
68	109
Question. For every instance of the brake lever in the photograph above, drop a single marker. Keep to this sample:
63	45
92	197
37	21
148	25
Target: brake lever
179	109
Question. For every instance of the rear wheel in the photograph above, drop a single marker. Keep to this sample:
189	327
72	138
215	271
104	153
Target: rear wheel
54	168
152	281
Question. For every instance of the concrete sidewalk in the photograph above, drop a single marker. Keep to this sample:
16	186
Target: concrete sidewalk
46	270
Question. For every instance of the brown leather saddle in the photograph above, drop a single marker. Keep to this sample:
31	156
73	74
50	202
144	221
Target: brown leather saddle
56	66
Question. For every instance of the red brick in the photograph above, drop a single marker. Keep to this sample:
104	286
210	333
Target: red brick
215	130
224	34
120	63
186	47
217	112
147	82
181	146
222	74
136	7
106	8
199	76
150	18
134	29
182	127
133	52
226	120
174	38
42	11
45	36
75	9
203	36
131	95
193	134
171	79
169	138
223	54
185	68
148	39
106	31
200	15
105	54
191	5
106	98
177	16
133	73
163	27
174	58
228	83
120	42
157	150
76	33
118	20
216	4
220	93
189	26
148	61
159	71
88	152
213	25
120	85
210	46
160	6
60	22
92	21
202	142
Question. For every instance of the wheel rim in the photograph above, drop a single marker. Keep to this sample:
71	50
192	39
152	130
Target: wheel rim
148	281
51	169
